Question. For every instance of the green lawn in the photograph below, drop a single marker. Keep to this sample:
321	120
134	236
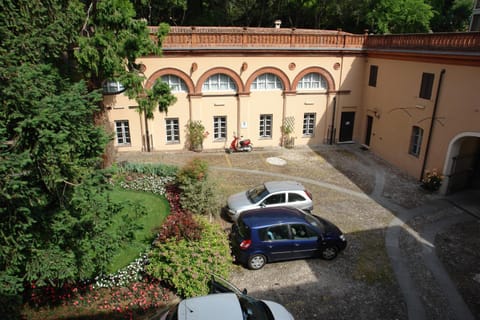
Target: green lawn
157	209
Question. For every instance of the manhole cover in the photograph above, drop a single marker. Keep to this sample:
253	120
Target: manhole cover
276	161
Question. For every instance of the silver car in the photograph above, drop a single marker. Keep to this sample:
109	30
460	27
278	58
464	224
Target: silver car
270	194
226	302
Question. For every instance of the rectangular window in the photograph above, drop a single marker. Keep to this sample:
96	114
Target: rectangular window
123	132
372	80
416	141
172	131
426	86
308	124
265	126
219	128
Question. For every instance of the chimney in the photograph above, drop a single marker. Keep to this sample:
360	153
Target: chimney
278	23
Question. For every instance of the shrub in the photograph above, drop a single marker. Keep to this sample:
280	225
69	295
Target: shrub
178	226
198	192
163	170
186	265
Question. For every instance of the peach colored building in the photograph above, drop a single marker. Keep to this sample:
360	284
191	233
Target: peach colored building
411	99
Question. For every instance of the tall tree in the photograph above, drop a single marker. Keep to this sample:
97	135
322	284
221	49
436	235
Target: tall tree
54	213
400	16
451	15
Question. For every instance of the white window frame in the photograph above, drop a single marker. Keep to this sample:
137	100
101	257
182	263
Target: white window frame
219	83
416	141
172	130
309	120
219	128
312	81
266	81
175	83
112	87
122	132
265	125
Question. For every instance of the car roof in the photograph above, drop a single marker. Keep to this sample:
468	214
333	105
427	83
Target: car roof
276	186
263	217
216	306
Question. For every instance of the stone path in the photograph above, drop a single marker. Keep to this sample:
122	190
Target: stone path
409	237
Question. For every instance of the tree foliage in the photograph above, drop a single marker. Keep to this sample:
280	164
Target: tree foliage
349	15
400	16
54	213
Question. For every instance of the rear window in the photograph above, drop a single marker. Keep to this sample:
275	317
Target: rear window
243	229
294	197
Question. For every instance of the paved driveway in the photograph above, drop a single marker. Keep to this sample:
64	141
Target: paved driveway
390	269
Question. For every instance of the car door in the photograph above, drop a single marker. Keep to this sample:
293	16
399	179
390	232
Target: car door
274	200
275	242
305	241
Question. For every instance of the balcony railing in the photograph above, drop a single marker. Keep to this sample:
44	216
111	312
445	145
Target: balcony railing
458	42
268	38
283	38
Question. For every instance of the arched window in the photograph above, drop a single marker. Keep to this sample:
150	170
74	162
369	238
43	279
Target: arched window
266	81
176	84
312	81
219	82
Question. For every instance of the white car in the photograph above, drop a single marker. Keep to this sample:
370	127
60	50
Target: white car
270	194
229	303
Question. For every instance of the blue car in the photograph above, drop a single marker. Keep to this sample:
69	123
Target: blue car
283	233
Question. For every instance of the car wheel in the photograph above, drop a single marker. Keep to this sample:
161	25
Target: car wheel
329	253
257	261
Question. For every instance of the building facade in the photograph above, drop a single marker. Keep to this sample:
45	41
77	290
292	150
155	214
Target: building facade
411	99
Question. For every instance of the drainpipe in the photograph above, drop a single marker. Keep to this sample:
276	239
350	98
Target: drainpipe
332	132
432	123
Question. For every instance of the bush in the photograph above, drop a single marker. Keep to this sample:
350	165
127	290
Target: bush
186	265
162	170
198	192
178	226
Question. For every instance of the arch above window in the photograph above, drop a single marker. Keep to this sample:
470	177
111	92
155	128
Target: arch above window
266	81
329	84
219	82
312	81
175	83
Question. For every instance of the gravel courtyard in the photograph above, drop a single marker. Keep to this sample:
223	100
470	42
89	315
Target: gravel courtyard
406	247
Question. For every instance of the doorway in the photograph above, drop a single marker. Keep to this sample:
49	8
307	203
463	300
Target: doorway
368	134
346	127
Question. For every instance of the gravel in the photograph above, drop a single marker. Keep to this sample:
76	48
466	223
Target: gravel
360	283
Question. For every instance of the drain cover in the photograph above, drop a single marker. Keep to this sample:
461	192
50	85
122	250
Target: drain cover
276	161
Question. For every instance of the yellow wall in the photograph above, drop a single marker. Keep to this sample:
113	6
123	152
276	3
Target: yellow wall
394	103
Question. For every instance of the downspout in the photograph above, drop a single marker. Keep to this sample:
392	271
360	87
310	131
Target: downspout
432	123
332	131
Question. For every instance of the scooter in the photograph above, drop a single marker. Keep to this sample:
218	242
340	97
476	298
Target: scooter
239	145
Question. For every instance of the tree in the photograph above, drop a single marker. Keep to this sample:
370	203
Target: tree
400	16
451	15
111	41
54	212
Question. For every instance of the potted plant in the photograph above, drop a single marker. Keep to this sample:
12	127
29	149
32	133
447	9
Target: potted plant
287	129
432	180
195	135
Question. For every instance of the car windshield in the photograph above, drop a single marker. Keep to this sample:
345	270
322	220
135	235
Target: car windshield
314	221
172	313
253	309
256	194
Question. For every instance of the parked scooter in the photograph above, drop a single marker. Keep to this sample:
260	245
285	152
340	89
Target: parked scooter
240	145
